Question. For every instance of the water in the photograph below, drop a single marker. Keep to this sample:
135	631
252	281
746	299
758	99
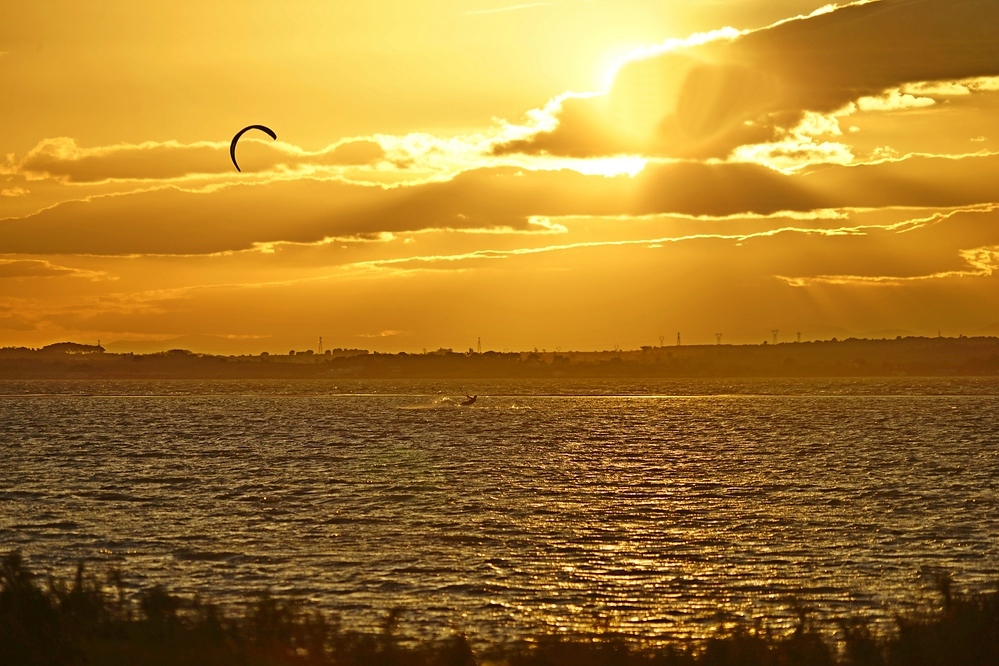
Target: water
649	508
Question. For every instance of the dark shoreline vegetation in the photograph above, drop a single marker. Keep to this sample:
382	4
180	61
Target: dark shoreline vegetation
93	621
900	357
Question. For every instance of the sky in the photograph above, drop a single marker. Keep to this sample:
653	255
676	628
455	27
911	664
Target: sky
560	175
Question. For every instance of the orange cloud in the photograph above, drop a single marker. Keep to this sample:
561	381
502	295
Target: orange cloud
733	281
63	159
34	268
708	99
174	221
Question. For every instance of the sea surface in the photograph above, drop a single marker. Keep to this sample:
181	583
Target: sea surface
650	508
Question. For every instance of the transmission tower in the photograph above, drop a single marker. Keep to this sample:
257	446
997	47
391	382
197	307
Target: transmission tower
320	344
774	331
718	338
480	345
677	338
662	340
799	336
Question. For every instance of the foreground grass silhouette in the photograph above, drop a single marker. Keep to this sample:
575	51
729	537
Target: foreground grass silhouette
80	623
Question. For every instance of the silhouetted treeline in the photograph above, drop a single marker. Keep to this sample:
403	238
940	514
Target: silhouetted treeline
81	622
913	357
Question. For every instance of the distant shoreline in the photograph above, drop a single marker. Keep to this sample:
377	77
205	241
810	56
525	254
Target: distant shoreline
900	357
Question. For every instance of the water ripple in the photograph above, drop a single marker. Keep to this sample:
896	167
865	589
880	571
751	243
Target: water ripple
652	508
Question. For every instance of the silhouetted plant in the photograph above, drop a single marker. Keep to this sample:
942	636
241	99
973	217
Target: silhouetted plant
30	627
861	646
965	632
81	623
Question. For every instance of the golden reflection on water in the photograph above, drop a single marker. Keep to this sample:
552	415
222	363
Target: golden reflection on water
640	515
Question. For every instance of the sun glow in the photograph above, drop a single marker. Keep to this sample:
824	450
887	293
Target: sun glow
480	129
613	68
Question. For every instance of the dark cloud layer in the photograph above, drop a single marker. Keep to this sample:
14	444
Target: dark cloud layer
706	100
172	221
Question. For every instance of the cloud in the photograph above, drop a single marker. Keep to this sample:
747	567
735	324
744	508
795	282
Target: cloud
893	100
738	275
175	221
232	218
979	262
61	158
958	244
800	146
706	100
913	181
35	268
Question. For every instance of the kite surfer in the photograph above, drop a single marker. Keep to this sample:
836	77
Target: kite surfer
470	401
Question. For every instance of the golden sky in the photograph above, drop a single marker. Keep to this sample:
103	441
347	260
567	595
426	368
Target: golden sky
573	174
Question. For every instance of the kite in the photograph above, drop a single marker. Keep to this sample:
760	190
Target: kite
235	139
